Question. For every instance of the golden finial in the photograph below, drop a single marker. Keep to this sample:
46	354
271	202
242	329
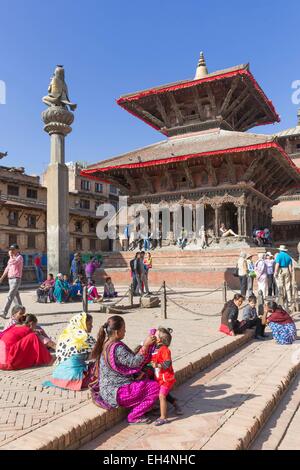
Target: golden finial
201	70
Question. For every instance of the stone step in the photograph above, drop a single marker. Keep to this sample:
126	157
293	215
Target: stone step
282	430
224	406
76	428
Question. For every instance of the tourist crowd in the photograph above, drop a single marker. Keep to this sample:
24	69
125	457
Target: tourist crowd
116	375
271	273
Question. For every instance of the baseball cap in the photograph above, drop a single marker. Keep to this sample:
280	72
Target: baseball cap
14	247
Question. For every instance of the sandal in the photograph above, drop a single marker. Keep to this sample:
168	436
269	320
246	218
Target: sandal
141	421
160	422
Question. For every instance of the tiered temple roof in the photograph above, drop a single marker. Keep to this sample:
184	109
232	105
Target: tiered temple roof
230	98
204	119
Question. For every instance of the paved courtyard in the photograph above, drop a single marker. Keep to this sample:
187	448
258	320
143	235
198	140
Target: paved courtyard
25	405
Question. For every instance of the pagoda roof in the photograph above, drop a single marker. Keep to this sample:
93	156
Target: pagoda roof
289	132
229	98
187	82
197	149
217	141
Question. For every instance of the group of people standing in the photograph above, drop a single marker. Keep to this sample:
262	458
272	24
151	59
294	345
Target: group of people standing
140	266
270	272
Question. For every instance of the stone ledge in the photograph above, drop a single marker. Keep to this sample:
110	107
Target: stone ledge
242	428
75	429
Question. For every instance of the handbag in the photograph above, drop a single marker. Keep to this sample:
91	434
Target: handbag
236	272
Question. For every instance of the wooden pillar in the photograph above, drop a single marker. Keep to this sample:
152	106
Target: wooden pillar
240	220
217	220
194	225
250	220
245	225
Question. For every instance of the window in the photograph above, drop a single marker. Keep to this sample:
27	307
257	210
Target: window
12	239
92	244
13	218
31	221
85	185
32	193
78	242
78	226
84	204
31	241
92	226
113	189
99	187
12	190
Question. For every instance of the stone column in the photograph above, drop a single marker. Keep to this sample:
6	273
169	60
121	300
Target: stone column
57	121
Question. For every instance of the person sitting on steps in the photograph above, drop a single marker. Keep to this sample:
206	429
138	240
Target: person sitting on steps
226	232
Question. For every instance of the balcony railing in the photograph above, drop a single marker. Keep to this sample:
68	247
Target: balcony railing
5	197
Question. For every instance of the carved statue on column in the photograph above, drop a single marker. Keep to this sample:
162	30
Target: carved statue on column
58	91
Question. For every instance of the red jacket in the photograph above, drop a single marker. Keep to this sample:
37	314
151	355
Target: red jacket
164	375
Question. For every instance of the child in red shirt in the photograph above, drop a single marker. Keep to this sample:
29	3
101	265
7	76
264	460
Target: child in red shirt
164	374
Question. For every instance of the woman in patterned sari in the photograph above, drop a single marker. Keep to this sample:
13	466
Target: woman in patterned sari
73	349
118	370
281	324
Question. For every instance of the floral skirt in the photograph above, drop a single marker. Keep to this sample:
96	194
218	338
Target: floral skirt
283	334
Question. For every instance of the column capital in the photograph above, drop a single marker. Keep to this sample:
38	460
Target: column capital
57	120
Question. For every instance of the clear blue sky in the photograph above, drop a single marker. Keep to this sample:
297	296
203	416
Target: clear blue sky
110	48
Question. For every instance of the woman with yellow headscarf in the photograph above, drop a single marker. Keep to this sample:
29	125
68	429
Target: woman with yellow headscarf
72	352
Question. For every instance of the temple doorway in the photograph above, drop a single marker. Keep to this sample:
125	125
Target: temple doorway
229	216
209	218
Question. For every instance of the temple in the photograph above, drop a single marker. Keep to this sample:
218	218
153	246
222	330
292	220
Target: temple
286	214
208	157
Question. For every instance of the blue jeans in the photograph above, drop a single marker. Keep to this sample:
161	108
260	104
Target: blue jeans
146	244
39	274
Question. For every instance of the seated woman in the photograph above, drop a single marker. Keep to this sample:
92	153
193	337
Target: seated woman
109	289
61	289
93	294
281	323
116	366
46	290
74	345
182	240
225	232
32	322
76	289
17	317
21	348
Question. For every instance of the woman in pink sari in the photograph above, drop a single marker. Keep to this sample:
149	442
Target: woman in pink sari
20	348
119	379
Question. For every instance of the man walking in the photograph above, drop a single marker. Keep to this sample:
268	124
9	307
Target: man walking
283	272
13	271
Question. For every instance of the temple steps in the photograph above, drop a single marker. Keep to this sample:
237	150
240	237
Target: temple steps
224	407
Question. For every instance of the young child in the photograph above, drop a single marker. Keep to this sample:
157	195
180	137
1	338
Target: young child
253	318
164	374
93	295
109	289
17	316
32	322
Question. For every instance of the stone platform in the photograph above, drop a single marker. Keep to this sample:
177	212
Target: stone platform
181	268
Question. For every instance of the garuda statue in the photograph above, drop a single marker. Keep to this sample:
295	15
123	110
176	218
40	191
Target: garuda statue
58	91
